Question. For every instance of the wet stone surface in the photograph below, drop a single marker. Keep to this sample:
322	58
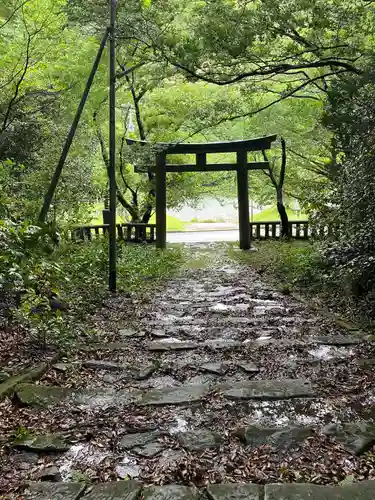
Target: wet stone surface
270	389
234	492
217	378
42	443
357	438
360	491
170	492
280	438
200	440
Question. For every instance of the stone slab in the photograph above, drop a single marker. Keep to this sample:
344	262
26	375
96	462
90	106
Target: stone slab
96	364
357	491
366	362
115	490
7	387
110	346
270	390
215	368
130	441
44	396
147	370
199	440
171	346
222	344
249	367
175	395
170	492
43	443
234	492
337	340
130	333
281	438
55	491
149	450
356	438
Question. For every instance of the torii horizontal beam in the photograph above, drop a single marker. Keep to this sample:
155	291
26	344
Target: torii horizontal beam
214	167
258	144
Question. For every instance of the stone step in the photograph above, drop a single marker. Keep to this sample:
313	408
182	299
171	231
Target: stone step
269	390
358	491
44	396
133	490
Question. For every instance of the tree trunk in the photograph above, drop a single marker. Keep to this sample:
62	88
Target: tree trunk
283	215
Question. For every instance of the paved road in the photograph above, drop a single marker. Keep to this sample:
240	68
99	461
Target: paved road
202	236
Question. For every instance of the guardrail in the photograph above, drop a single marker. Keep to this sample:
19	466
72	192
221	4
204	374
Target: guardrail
131	233
299	230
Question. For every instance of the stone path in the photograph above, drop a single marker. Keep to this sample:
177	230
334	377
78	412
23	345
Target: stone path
220	379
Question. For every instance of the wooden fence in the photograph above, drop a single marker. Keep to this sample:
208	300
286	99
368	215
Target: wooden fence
146	233
131	233
299	230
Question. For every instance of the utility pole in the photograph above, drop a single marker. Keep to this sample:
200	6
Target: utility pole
68	142
112	148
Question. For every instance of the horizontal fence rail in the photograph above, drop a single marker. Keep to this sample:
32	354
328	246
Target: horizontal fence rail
131	233
299	230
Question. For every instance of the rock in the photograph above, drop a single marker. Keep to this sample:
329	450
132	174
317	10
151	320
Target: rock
55	491
47	443
170	492
359	491
7	387
105	365
199	440
337	340
51	473
138	439
222	344
64	367
110	346
160	334
4	376
175	395
146	371
356	438
44	396
25	458
171	346
249	367
280	438
215	368
109	379
269	389
116	490
365	363
201	379
170	459
149	450
130	333
233	491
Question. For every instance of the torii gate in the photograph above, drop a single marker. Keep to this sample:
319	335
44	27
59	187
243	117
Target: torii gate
241	148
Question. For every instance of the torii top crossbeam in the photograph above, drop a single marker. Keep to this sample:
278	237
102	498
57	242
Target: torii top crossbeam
258	144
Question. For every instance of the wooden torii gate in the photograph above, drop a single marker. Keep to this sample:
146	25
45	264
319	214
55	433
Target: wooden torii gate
241	148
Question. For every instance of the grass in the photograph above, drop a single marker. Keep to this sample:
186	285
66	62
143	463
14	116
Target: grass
173	223
295	264
139	268
271	214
